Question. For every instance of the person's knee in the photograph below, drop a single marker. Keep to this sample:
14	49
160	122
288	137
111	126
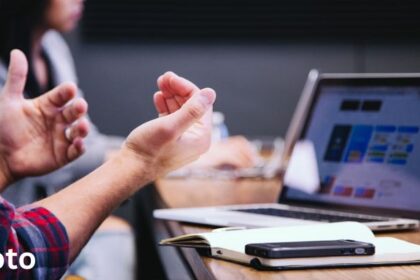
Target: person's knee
109	254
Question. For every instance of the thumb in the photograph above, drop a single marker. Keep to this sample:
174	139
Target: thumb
16	77
193	111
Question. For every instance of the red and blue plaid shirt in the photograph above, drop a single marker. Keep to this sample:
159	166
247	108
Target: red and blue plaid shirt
37	231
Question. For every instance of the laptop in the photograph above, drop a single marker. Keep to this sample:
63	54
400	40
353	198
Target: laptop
364	129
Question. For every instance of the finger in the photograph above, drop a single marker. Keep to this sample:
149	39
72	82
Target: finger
78	130
172	105
232	163
172	99
59	96
197	108
160	103
244	159
74	111
75	150
234	157
16	77
163	84
174	85
180	100
181	86
244	149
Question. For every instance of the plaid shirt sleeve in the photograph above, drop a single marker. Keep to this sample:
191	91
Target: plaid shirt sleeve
37	231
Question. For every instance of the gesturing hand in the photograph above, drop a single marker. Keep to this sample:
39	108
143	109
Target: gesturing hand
173	92
181	133
33	138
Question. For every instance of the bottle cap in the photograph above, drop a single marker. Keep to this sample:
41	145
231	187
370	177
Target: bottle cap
218	118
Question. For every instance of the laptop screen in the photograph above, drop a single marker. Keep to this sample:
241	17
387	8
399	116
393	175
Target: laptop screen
366	136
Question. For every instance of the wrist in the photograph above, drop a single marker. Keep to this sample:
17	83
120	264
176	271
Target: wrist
137	169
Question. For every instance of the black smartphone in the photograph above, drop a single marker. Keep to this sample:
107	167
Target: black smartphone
307	249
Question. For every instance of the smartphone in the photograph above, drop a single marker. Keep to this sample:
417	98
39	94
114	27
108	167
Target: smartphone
306	249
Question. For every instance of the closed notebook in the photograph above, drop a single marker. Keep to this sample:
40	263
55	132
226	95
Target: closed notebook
230	245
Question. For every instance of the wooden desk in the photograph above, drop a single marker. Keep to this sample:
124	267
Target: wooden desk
189	193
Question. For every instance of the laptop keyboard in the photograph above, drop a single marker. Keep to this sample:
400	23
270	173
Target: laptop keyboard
312	215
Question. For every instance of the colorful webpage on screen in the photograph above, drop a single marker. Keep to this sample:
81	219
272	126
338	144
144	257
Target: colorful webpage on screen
368	146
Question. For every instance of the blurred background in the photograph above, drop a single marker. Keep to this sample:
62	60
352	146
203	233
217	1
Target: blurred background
255	54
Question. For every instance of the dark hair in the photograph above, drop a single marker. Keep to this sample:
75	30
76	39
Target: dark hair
18	20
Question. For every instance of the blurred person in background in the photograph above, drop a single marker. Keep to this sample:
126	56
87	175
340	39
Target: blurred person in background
32	26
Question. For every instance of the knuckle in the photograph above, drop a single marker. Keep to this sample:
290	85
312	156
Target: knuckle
17	76
196	111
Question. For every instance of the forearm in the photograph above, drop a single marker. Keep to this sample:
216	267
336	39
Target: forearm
3	182
5	176
82	206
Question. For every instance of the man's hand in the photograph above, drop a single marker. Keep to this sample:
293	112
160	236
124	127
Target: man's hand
173	92
40	135
181	133
234	152
178	137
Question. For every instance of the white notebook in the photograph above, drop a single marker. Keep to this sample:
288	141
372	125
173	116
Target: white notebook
230	245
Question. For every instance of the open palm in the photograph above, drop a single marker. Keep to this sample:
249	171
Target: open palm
33	140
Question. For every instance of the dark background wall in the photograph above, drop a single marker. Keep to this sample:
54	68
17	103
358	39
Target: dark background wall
258	81
257	85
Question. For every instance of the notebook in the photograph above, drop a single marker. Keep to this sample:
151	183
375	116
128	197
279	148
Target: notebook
230	245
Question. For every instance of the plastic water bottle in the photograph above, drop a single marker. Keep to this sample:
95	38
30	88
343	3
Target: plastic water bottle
220	130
